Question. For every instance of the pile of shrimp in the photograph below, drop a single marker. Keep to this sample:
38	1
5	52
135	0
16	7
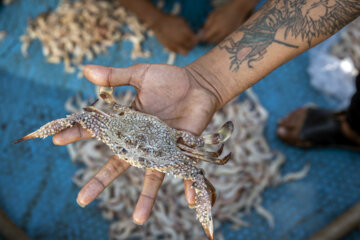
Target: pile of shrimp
254	166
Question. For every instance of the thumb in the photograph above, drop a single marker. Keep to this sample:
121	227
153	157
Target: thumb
111	77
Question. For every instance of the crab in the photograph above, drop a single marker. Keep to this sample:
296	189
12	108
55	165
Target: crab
145	141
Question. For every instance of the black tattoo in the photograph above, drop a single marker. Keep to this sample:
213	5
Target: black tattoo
308	19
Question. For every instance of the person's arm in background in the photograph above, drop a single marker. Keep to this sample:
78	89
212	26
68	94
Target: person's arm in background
226	19
186	98
172	31
279	31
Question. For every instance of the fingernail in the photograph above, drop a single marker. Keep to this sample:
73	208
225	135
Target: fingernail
57	138
200	35
137	223
81	205
191	206
282	131
87	68
93	71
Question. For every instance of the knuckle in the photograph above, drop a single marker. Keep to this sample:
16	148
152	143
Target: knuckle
117	165
141	65
79	132
99	181
141	72
153	176
109	76
144	195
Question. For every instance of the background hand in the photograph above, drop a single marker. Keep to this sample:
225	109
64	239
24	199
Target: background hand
175	34
174	94
226	19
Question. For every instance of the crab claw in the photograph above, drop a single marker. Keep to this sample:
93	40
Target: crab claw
50	128
209	231
27	137
221	136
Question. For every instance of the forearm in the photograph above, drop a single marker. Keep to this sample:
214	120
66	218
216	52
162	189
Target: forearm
145	10
244	5
278	32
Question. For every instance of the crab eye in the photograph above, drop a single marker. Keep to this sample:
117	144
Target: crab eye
121	113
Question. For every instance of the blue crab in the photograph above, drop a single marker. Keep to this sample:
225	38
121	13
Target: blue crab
145	141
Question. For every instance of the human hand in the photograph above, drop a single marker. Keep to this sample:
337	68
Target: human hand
179	96
174	33
226	19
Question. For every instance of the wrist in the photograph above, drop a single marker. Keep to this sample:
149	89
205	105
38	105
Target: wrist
209	81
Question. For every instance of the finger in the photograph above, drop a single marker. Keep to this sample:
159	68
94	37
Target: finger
167	45
172	48
208	23
183	51
111	170
199	35
191	41
210	35
152	182
218	38
180	49
177	47
109	76
189	193
71	135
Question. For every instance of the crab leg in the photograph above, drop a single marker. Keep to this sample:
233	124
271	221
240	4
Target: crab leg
205	194
211	190
205	153
205	156
95	110
211	139
106	93
190	139
219	161
93	125
203	202
51	128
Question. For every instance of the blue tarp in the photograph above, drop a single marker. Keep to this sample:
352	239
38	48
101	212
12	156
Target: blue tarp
36	189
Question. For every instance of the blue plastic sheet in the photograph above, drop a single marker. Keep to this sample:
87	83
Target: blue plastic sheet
36	189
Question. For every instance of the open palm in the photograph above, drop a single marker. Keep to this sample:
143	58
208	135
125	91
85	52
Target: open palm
169	92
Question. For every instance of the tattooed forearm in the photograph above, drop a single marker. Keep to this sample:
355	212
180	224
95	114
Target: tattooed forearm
307	19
